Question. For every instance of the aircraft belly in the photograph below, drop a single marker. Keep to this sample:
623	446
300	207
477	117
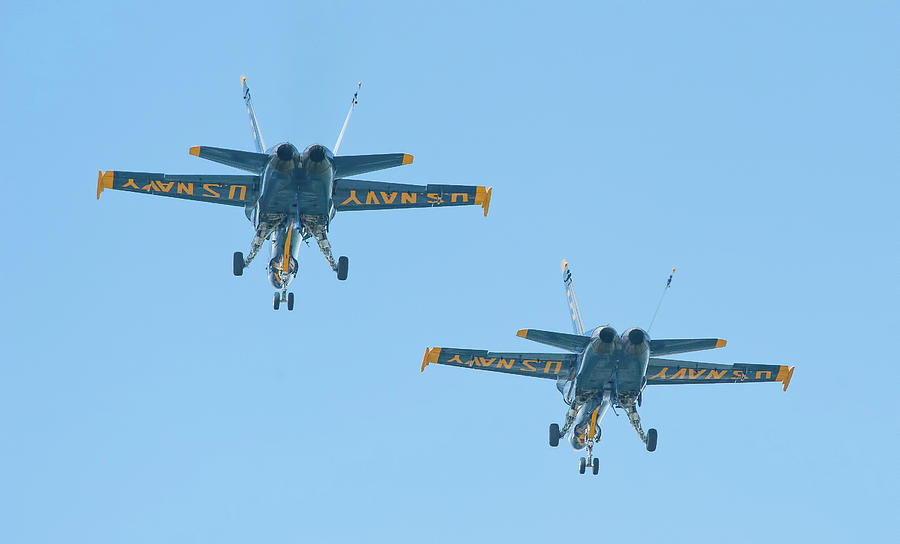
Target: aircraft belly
314	197
607	371
279	195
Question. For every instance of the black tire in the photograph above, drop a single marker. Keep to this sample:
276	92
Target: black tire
276	303
343	266
582	464
554	435
651	440
596	466
238	263
290	301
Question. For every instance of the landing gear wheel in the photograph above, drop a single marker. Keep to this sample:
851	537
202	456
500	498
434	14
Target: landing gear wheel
238	263
582	464
596	466
290	301
343	265
651	440
276	303
554	435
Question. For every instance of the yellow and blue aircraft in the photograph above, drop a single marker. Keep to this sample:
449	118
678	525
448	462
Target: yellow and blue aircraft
291	196
604	369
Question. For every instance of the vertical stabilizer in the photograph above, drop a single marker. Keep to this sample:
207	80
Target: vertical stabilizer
574	310
254	126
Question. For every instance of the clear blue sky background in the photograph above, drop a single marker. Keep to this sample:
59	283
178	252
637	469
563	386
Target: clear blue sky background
147	395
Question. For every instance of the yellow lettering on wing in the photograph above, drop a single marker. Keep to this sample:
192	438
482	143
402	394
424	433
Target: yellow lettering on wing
694	374
211	193
527	364
484	361
388	198
408	198
352	198
715	374
186	188
661	375
738	375
457	360
371	198
504	363
435	199
455	196
549	363
761	373
679	375
164	187
233	189
131	183
148	187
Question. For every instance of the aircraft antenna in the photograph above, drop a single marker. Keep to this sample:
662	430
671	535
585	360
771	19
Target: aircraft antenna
665	289
337	144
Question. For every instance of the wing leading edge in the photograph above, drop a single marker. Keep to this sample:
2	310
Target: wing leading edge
538	365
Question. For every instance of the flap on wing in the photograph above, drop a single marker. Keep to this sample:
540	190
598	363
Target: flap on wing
684	345
571	342
539	365
668	371
245	160
231	190
354	165
357	194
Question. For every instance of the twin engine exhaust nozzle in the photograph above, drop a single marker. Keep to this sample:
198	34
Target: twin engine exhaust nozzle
603	340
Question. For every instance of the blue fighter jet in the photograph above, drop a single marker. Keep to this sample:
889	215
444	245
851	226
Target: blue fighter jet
291	196
604	369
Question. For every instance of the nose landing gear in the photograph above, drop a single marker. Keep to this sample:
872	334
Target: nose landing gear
284	296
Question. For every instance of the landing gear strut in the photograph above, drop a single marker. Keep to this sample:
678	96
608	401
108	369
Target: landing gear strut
628	404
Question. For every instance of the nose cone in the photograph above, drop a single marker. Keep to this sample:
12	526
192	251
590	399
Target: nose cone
285	152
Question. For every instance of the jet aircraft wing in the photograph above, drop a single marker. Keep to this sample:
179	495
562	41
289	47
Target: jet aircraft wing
231	190
357	194
668	371
684	345
538	365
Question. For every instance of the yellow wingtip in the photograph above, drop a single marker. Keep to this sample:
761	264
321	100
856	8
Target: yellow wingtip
563	265
522	333
407	159
431	356
784	376
721	343
483	197
104	181
243	79
195	151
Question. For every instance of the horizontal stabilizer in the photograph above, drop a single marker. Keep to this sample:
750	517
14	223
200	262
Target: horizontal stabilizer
357	194
231	190
538	365
668	371
570	342
354	165
684	345
245	160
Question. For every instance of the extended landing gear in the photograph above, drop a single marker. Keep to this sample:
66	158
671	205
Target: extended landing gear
238	263
554	435
594	464
628	404
283	297
342	267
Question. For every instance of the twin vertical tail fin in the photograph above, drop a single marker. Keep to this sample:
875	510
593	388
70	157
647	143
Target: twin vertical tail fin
254	125
353	102
574	310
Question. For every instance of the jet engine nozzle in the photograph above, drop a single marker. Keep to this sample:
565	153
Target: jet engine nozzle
317	153
635	340
603	340
285	152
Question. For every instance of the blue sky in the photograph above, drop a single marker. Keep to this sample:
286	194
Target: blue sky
147	395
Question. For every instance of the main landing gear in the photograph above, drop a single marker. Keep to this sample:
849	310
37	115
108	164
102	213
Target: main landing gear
283	297
238	263
628	404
